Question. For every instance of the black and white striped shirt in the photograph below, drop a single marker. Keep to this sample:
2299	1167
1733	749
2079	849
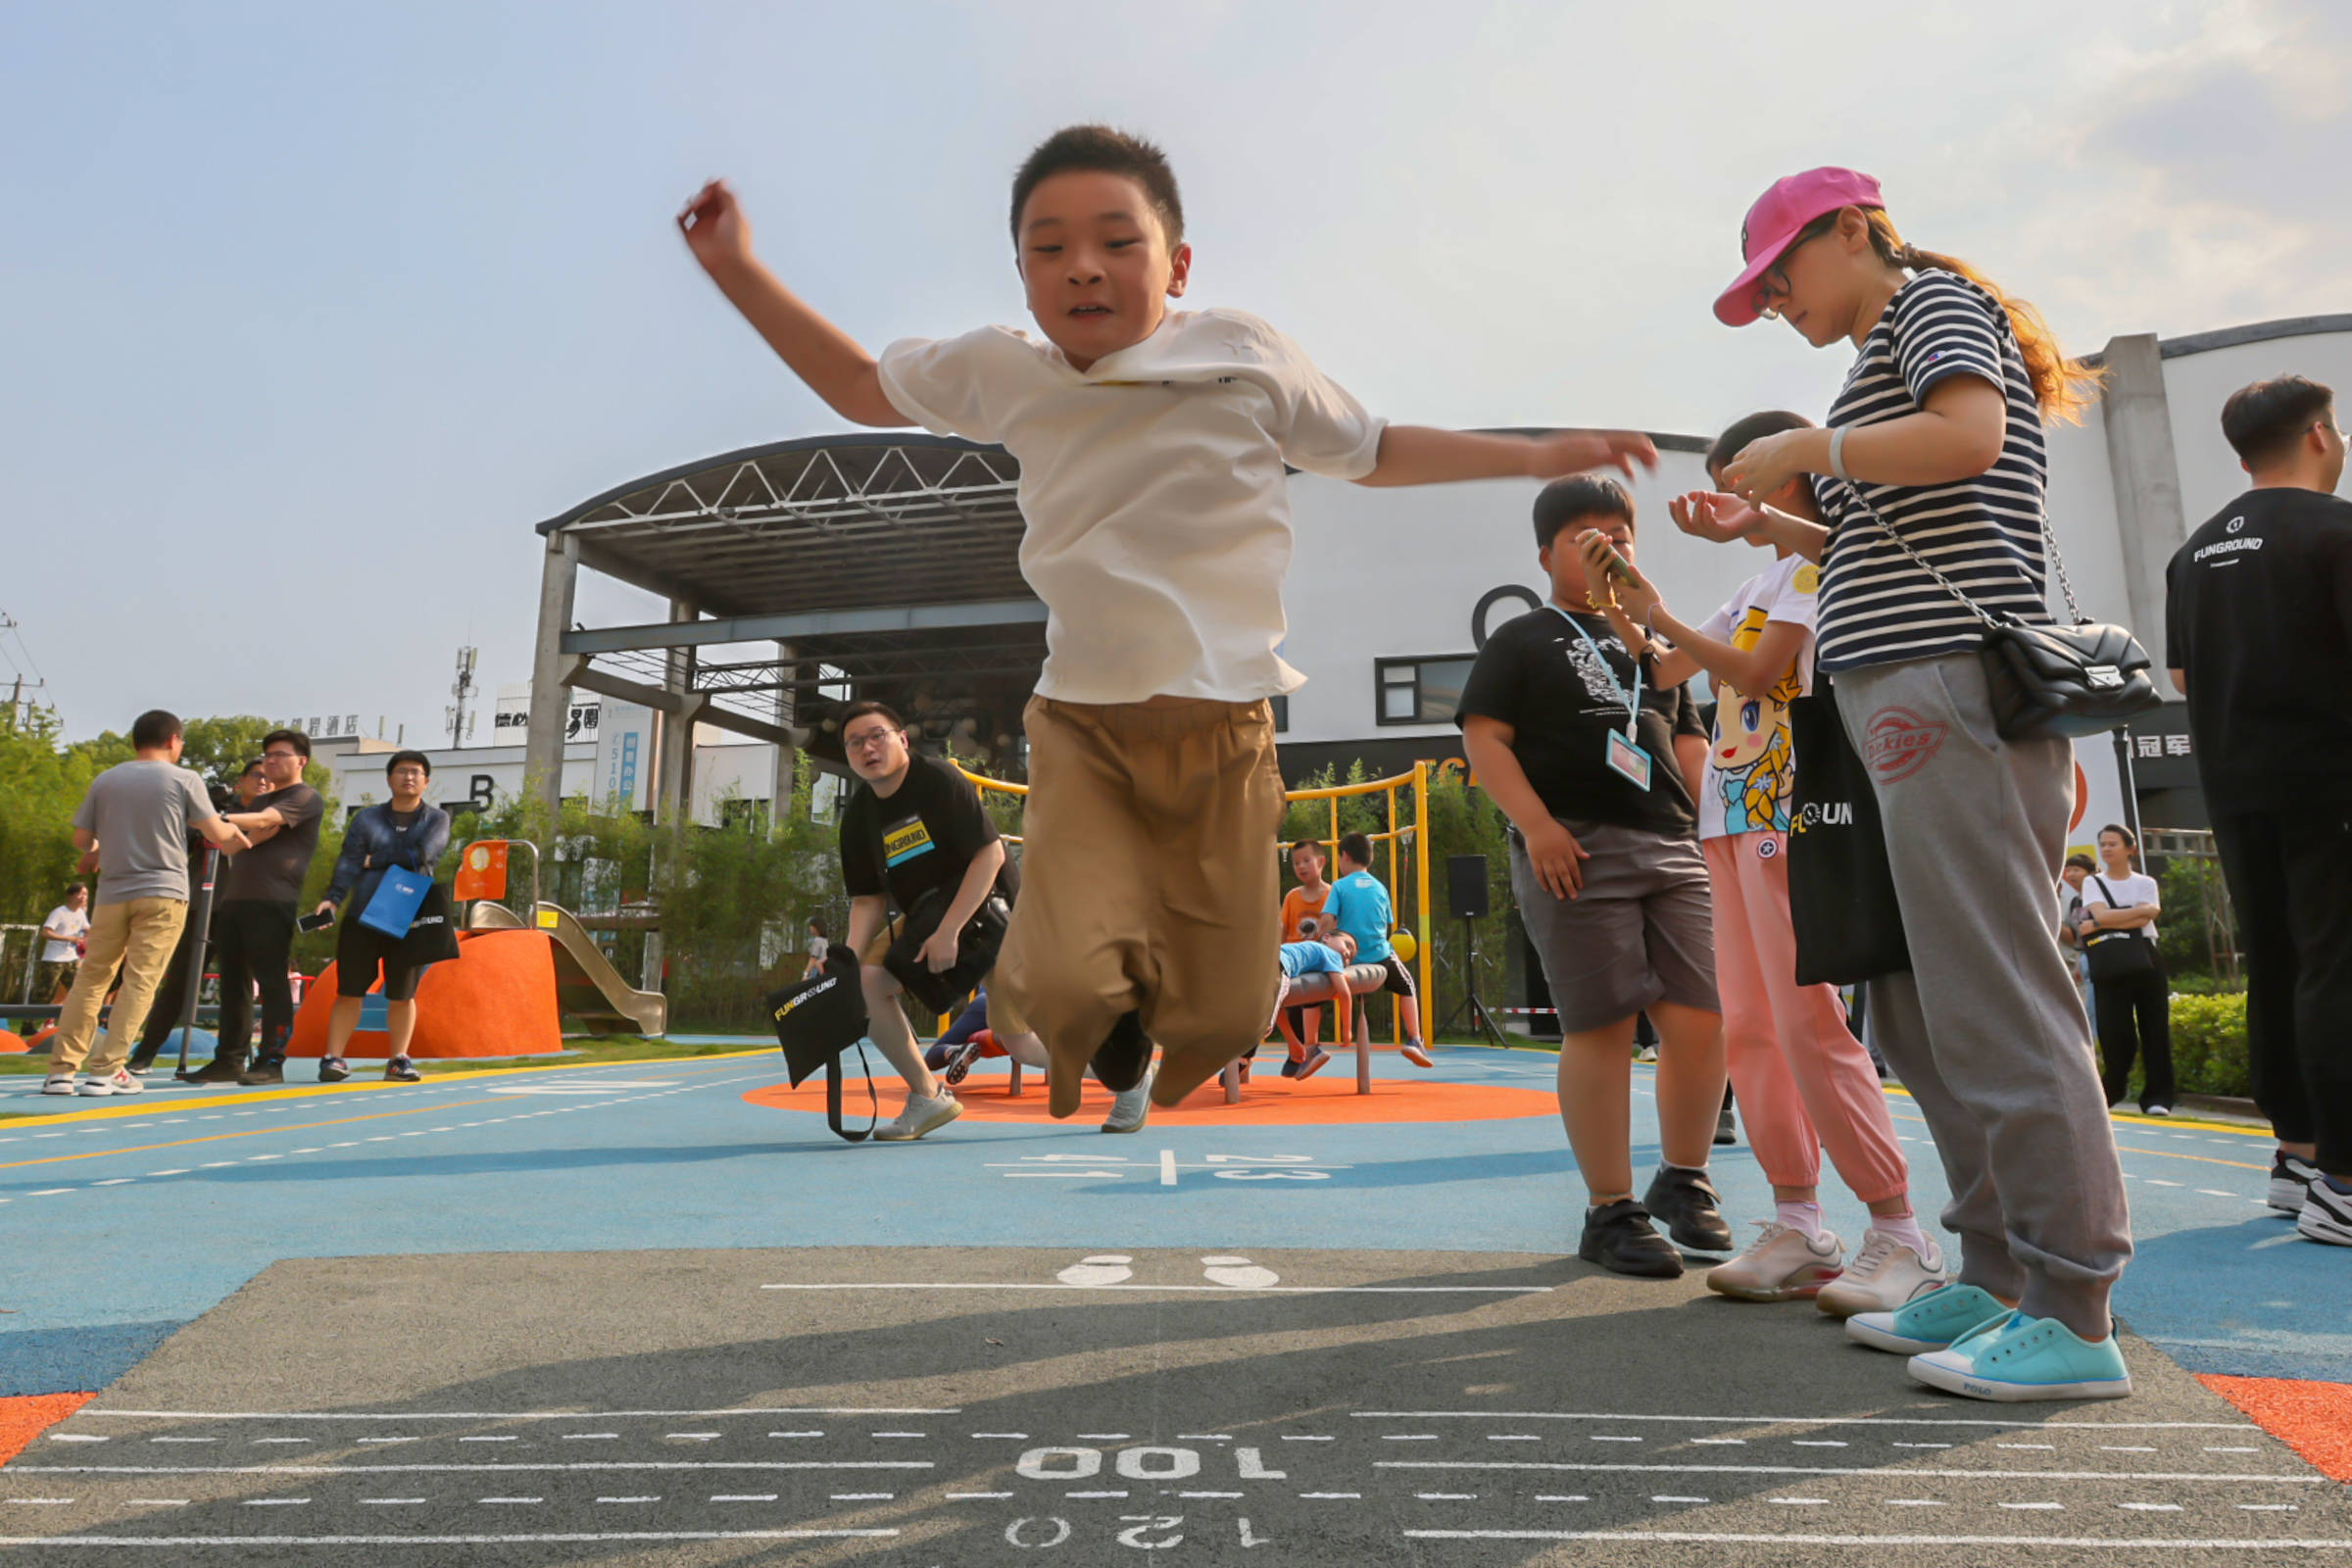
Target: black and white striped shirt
1877	607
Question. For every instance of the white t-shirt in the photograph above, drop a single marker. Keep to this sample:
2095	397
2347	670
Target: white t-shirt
1750	764
2129	891
1158	525
74	923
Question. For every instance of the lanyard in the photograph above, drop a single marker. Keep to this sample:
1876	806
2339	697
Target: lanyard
1633	704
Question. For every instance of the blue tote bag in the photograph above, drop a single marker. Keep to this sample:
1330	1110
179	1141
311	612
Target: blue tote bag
398	898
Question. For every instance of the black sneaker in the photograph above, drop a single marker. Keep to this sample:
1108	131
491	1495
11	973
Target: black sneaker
2291	1176
268	1071
1693	1215
401	1070
218	1070
2326	1214
1126	1055
959	1066
1619	1238
333	1069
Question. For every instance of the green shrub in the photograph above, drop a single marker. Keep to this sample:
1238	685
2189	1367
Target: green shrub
2208	1044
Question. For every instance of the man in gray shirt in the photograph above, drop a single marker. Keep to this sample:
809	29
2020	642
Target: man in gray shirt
135	819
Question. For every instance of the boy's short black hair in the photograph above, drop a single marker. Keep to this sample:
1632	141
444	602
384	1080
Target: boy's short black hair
73	888
1580	495
153	728
1315	845
858	710
249	770
419	757
1100	148
1753	427
1358	846
2264	420
292	737
2080	862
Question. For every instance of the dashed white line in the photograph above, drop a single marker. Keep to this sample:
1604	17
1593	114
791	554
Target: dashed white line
387	1439
388	1502
1213	1494
1447	1496
766	1497
1331	1497
1799	1502
1093	1495
962	1496
275	1502
628	1499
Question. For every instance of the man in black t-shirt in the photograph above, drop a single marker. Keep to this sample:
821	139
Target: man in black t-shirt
261	895
1611	886
915	827
2258	616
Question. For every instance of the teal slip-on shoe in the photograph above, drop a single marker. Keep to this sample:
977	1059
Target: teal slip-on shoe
2027	1359
1932	1322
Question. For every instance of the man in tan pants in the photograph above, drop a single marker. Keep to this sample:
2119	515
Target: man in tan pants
135	820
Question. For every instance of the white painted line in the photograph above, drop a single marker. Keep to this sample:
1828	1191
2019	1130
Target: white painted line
2207	1192
1669	1498
479	1469
1728	1538
1104	1437
1189	1436
820	1434
182	1171
1799	1502
387	1439
2023	1507
1830	1470
1301	1437
77	1436
275	1502
1742	1442
513	1500
2047	1448
2118	1448
386	1502
45	1502
1211	1289
1600	1436
1512	1437
1408	1436
185	1440
2232	1451
52	1191
963	1496
1913	1502
508	1437
628	1499
2269	1507
1017	1436
1092	1495
1905	1444
1213	1494
756	1497
115	1181
568	1437
1774	1420
516	1415
1167	1167
1331	1497
1447	1496
887	1433
1833	1443
880	1497
696	1437
2151	1507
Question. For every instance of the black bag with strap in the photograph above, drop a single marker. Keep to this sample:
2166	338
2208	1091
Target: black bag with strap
2055	682
1842	897
432	934
2115	956
818	1019
976	949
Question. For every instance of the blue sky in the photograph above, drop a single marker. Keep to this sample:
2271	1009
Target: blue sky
310	313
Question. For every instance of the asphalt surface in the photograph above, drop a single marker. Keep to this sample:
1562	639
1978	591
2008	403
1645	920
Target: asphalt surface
984	1405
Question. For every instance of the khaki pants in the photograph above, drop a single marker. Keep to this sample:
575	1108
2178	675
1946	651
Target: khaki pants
1003	1017
1149	883
137	937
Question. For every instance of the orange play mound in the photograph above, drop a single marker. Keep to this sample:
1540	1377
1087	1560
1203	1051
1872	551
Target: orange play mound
496	998
12	1045
24	1417
2315	1419
1328	1098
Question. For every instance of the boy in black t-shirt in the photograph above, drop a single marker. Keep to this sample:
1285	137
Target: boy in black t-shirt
1571	736
2258	619
917	826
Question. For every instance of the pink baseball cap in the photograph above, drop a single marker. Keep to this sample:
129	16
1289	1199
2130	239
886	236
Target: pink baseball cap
1774	219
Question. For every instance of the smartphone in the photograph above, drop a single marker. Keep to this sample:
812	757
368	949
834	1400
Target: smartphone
315	923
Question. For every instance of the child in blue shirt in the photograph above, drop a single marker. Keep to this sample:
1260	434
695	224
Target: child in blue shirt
1329	955
1359	906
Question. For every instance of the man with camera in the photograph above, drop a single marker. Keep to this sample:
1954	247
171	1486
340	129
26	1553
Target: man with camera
914	836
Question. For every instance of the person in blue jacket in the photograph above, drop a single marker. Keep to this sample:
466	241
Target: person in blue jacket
403	831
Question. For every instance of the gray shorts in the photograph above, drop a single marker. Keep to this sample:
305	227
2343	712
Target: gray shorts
1641	931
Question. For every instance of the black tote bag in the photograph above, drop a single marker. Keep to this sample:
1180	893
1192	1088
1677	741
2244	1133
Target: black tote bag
815	1021
2117	956
432	934
1849	923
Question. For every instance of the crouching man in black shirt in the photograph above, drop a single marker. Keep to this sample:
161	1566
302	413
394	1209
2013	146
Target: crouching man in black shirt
916	825
1571	736
2258	616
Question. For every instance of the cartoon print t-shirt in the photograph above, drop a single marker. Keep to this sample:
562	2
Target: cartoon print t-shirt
1749	767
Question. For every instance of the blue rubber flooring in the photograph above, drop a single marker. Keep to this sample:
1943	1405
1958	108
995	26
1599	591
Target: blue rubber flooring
118	1229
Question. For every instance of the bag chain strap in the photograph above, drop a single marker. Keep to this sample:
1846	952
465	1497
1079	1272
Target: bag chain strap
2049	543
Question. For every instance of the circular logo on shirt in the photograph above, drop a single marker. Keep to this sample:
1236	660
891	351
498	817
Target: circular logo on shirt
1806	578
1767	846
2234	525
1310	926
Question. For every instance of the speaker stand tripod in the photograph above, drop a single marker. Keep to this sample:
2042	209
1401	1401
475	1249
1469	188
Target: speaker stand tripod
1470	1010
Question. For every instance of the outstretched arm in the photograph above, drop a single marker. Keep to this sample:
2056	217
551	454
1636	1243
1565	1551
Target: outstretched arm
1418	454
819	352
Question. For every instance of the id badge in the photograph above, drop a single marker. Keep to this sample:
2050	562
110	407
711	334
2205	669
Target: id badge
1628	760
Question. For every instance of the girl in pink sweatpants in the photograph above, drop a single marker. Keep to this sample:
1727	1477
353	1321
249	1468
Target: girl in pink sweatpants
1804	1083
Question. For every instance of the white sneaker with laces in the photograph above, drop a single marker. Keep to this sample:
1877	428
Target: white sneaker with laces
62	1083
1780	1266
1129	1110
924	1113
2327	1215
1887	1274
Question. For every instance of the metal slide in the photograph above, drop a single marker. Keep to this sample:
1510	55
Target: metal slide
587	986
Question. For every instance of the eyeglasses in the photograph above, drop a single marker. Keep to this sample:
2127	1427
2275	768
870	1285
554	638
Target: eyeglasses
868	741
279	756
1771	290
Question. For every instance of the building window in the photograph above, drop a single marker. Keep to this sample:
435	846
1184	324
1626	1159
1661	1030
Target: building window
1419	691
1282	715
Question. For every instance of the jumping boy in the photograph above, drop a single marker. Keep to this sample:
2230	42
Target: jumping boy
1153	446
1359	907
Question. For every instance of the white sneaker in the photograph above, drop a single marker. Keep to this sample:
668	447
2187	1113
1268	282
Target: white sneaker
1780	1266
1887	1274
62	1083
1129	1110
113	1082
924	1115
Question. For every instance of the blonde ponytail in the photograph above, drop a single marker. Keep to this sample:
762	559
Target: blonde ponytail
2064	388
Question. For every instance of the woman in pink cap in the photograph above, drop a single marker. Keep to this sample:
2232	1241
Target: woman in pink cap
1933	455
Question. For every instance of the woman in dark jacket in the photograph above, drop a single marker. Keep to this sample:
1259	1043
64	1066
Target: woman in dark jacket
405	831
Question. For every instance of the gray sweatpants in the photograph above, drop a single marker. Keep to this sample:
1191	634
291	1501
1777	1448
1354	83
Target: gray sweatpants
1986	1031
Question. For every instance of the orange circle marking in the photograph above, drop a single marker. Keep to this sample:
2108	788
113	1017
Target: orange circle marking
1328	1099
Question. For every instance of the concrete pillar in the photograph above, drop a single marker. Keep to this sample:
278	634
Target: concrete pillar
551	699
674	799
779	791
2146	476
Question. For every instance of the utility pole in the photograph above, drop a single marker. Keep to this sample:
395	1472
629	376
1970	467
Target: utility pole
461	722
